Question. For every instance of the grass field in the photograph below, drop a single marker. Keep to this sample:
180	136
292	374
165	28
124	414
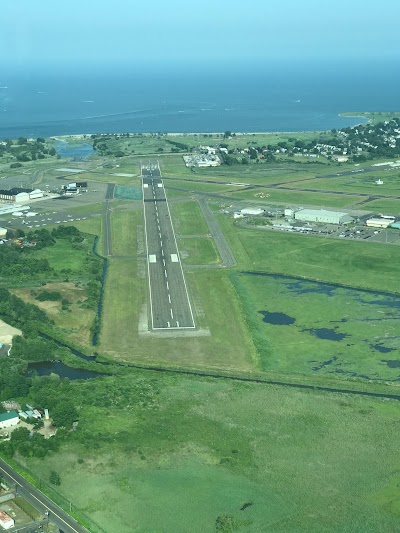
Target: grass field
282	196
163	452
385	206
228	346
188	219
63	256
191	454
198	251
356	264
124	231
335	331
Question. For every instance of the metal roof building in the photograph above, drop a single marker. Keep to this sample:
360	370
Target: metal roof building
322	215
8	420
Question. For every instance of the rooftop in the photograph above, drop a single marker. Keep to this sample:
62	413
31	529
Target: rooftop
8	416
14	191
323	212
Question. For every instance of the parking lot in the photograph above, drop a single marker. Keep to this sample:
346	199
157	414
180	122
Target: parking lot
58	210
357	232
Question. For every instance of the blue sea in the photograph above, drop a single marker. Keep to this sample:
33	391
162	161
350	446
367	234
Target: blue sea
242	97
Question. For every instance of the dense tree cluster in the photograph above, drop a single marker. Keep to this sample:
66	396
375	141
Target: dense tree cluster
14	262
16	312
24	150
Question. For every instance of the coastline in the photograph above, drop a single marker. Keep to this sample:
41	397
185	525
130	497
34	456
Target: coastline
359	114
84	136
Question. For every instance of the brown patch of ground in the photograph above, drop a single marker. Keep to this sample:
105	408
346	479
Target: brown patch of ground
74	322
7	332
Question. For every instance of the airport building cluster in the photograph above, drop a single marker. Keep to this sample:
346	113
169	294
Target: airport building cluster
322	216
19	195
202	160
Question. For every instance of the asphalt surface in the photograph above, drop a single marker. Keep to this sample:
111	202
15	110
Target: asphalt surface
107	220
31	494
228	259
170	306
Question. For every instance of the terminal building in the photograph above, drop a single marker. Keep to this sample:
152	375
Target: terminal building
321	215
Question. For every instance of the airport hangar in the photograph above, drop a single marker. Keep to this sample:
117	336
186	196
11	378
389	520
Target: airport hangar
322	215
17	194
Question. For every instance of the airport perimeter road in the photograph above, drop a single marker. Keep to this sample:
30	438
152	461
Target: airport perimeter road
55	514
169	299
228	259
107	221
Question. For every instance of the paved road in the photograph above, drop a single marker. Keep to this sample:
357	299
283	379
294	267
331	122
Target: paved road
107	220
170	306
56	515
228	259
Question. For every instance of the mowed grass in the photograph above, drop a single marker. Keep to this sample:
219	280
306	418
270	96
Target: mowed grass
191	454
188	219
385	206
124	231
363	183
198	251
368	322
62	255
220	343
356	264
288	197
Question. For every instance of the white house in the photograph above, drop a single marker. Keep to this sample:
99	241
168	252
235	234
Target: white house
6	522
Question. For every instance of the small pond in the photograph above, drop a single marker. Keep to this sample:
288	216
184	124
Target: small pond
277	318
382	349
45	368
74	150
327	334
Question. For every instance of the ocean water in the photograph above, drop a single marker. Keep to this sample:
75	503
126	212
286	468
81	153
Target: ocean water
190	98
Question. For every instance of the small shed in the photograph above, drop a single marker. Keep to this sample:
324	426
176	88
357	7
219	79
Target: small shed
6	522
3	232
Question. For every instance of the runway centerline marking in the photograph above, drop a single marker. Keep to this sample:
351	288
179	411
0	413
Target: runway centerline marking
163	246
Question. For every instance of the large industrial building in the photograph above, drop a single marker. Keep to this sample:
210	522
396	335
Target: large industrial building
19	195
321	215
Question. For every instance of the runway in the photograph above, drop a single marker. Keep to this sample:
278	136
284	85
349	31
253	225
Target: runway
170	306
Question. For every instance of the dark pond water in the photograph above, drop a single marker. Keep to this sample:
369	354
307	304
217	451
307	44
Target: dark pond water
300	286
323	364
382	349
392	364
45	368
277	318
304	287
327	334
75	151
